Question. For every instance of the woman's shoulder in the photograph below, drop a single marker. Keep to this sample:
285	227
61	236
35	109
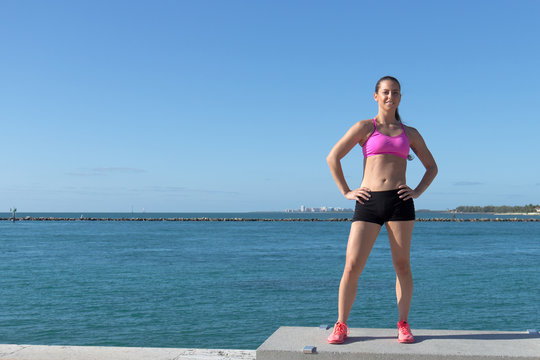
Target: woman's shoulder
362	128
414	135
411	131
364	124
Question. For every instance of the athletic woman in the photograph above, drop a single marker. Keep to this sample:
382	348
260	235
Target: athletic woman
383	198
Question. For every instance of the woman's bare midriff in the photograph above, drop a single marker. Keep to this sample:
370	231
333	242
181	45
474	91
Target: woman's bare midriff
384	172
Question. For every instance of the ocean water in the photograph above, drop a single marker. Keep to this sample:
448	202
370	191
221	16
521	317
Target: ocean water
232	284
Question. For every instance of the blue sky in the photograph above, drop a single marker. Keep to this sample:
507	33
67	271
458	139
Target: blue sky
234	105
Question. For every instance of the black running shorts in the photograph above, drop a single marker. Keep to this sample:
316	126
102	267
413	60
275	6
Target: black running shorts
384	206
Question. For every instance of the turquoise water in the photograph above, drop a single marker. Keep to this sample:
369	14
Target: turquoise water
231	284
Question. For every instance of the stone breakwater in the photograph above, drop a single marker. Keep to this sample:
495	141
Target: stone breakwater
30	218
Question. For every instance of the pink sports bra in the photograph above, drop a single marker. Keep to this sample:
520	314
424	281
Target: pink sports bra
378	143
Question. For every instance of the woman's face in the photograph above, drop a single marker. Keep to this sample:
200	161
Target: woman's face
389	95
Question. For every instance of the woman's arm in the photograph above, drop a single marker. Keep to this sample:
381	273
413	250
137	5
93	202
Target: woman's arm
421	150
356	133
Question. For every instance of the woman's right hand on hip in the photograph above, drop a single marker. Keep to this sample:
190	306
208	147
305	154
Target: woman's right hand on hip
361	194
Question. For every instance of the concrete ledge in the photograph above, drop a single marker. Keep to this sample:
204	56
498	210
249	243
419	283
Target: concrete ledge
43	352
288	343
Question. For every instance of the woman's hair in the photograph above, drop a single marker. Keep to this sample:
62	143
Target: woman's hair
398	118
378	85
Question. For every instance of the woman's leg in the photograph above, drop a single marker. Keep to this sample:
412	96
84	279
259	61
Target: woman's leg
361	239
400	234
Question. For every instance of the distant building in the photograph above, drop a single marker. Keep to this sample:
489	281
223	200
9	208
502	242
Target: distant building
304	209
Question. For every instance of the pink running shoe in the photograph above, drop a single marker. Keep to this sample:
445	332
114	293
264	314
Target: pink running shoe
340	333
404	332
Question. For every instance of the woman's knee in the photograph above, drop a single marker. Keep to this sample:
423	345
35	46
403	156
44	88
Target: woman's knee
352	270
402	266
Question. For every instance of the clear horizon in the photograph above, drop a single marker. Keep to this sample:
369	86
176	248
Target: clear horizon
233	106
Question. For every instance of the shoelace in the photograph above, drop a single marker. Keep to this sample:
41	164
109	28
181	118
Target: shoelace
405	329
341	329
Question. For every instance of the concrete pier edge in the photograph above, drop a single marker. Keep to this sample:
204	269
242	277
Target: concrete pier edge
301	343
58	352
304	343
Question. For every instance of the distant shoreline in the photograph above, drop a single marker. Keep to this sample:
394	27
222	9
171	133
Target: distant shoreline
494	213
194	214
526	214
208	219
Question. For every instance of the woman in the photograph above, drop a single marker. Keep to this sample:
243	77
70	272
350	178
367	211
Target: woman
382	198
